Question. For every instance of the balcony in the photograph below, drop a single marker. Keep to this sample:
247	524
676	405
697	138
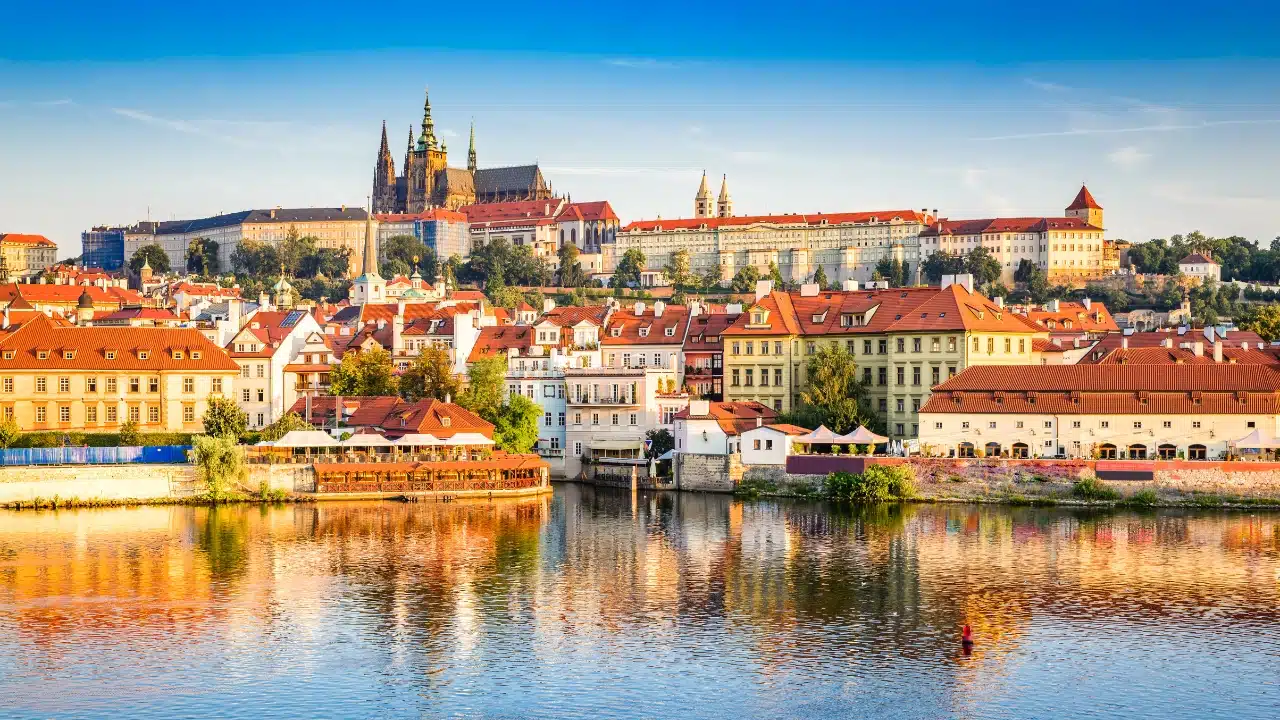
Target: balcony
550	452
693	371
603	401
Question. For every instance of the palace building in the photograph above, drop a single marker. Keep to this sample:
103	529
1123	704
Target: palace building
426	180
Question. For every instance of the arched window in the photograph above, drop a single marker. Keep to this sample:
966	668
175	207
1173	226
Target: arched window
1196	452
966	449
1167	451
1107	451
1137	452
992	449
1020	450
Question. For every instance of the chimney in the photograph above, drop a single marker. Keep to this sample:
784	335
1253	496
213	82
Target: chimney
397	332
381	323
759	420
1197	349
1166	343
1217	351
809	290
273	214
400	309
5	324
763	288
1076	343
1052	305
658	307
999	302
1087	303
1124	343
638	309
964	280
548	305
1244	346
849	286
1209	335
699	408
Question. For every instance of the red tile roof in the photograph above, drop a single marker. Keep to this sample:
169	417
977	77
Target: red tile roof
734	418
780	318
400	417
787	429
523	209
88	347
433	214
1116	378
497	340
1074	316
68	294
570	315
882	216
1044	345
140	313
703	328
25	239
625	327
1084	200
1197	259
590	211
1004	225
1182	356
1113	341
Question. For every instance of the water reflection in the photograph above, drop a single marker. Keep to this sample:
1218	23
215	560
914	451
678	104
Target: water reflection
599	603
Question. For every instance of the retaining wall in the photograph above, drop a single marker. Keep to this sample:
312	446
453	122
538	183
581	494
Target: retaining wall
707	473
98	482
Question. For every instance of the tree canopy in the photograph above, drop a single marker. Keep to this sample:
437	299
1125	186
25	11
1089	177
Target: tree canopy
224	418
153	255
287	423
745	280
202	256
820	277
363	372
485	378
430	376
498	262
404	249
834	396
1240	258
893	270
571	274
515	425
627	273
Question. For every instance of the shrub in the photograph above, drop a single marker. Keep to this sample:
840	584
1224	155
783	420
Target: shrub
220	462
1142	498
755	487
878	483
129	435
1092	489
9	432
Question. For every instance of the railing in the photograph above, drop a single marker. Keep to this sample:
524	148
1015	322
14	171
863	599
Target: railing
158	454
551	452
602	401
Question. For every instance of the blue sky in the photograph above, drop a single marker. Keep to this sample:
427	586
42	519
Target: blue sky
109	109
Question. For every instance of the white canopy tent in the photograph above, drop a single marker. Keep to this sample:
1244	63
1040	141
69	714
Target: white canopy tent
861	436
1257	440
468	438
305	439
821	436
418	440
366	440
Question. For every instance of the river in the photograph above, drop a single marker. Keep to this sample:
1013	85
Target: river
600	604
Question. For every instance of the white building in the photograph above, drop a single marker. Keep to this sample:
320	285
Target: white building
1196	411
1200	266
769	444
269	342
716	428
612	409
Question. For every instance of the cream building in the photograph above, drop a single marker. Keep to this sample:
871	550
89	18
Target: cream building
54	377
27	255
1201	267
1102	411
341	227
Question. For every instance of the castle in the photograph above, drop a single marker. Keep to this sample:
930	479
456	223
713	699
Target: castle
428	181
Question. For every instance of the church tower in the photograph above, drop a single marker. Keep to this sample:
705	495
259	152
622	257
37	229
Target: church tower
724	206
471	153
384	178
1085	208
702	201
369	287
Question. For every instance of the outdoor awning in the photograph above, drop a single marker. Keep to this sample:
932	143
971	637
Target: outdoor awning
419	439
821	436
1256	440
305	439
862	436
366	440
469	438
615	444
667	455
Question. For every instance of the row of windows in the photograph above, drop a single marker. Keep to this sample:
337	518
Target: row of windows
614	419
111	414
111	384
749	374
1075	424
261	368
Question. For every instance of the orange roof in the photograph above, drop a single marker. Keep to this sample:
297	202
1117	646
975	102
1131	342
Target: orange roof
499	461
1116	378
140	313
589	211
414	311
517	210
25	239
1004	225
625	327
780	317
788	429
571	315
1044	345
1197	259
1075	316
68	294
433	214
1182	356
86	348
433	417
1084	200
1113	341
882	216
706	332
497	340
734	418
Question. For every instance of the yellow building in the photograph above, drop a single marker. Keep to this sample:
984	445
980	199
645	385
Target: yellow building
95	379
27	255
904	341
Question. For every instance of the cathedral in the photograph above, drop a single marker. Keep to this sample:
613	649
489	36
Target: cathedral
428	181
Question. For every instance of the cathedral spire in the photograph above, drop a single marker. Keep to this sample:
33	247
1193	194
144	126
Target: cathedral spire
369	269
702	201
471	154
724	206
384	151
427	141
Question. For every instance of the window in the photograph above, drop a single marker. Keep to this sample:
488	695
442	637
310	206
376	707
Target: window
882	375
964	425
734	382
41	414
866	347
750	382
546	419
91	385
560	419
8	384
135	415
915	344
595	418
262	420
951	344
937	426
577	418
1104	424
144	355
883	347
899	429
915	405
188	413
1137	425
935	345
614	419
153	385
934	373
764	347
112	414
1167	424
810	347
188	385
262	395
42	384
42	354
1075	424
777	405
64	384
866	376
902	344
1019	424
915	376
635	419
902	375
883	405
196	354
991	425
991	346
1195	424
153	414
1008	345
777	347
244	371
244	395
577	449
777	376
764	377
64	413
217	385
1022	345
1250	424
736	347
135	384
755	444
900	405
91	414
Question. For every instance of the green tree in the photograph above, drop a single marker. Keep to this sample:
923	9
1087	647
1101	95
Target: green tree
430	376
711	277
677	270
405	248
1261	319
485	379
884	269
627	273
292	250
504	296
1024	270
820	277
775	275
984	268
287	423
571	274
515	426
9	432
220	462
129	435
256	258
223	418
834	397
363	372
660	442
395	267
151	254
745	280
941	263
326	263
202	256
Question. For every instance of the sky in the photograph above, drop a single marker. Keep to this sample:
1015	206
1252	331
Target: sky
114	112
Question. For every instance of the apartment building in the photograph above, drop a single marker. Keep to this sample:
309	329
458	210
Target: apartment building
611	409
95	379
262	349
25	255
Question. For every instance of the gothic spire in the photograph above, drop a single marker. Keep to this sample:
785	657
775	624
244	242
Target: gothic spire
471	154
724	205
384	151
427	141
702	201
369	267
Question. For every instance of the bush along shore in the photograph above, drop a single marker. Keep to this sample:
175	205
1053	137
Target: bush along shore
263	495
881	483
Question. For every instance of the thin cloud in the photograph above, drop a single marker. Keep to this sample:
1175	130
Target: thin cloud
181	126
640	63
1127	157
1045	85
1126	130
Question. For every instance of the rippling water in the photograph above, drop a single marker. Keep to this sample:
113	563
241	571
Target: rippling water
595	604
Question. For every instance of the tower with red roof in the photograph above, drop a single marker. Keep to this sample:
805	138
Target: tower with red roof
1085	208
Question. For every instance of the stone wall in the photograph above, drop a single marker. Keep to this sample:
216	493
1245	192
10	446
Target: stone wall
707	473
98	482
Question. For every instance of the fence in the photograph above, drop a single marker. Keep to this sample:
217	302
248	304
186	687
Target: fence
158	454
